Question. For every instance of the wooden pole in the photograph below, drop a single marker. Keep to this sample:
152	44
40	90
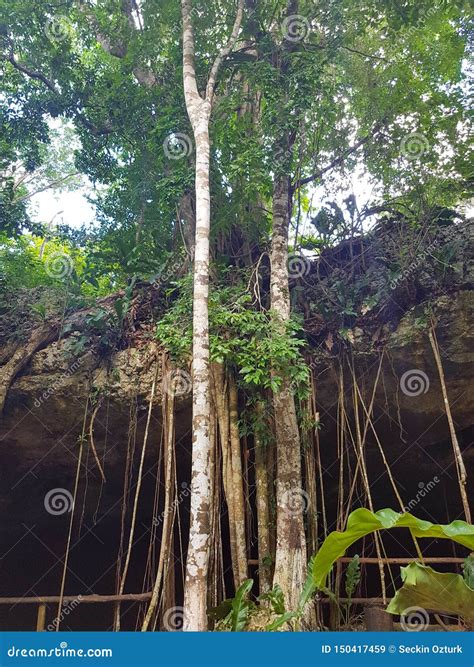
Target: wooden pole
391	561
87	599
404	561
377	619
41	618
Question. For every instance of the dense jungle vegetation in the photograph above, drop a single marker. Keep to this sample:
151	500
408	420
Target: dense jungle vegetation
268	178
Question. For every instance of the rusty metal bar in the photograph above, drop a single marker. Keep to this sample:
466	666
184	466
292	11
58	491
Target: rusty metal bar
87	599
390	561
356	600
403	561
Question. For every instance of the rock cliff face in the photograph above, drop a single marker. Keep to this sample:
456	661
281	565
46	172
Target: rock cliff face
43	420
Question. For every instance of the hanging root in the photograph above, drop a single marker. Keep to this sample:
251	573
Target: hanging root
137	495
460	467
71	522
169	508
361	460
91	440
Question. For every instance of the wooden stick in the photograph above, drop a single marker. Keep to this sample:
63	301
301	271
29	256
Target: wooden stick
402	561
394	561
41	618
84	599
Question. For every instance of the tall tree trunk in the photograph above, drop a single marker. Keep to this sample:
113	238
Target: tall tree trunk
221	396
290	558
237	483
199	112
263	511
195	598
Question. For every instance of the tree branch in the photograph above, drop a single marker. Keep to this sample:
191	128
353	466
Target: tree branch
224	52
191	91
118	49
32	74
366	55
337	161
46	187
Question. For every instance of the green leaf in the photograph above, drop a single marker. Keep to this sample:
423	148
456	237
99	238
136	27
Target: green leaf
468	571
221	611
362	522
240	607
276	599
443	592
281	620
352	575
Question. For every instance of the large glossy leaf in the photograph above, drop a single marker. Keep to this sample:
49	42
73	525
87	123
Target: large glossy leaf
362	522
437	591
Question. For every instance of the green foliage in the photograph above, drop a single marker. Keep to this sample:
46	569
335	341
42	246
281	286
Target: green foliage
31	261
276	599
240	336
468	571
422	586
442	592
240	607
363	522
359	66
352	576
234	612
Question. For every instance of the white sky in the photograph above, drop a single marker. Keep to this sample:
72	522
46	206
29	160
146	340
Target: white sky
75	208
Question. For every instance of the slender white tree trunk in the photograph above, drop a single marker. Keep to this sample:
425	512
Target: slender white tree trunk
195	617
199	111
